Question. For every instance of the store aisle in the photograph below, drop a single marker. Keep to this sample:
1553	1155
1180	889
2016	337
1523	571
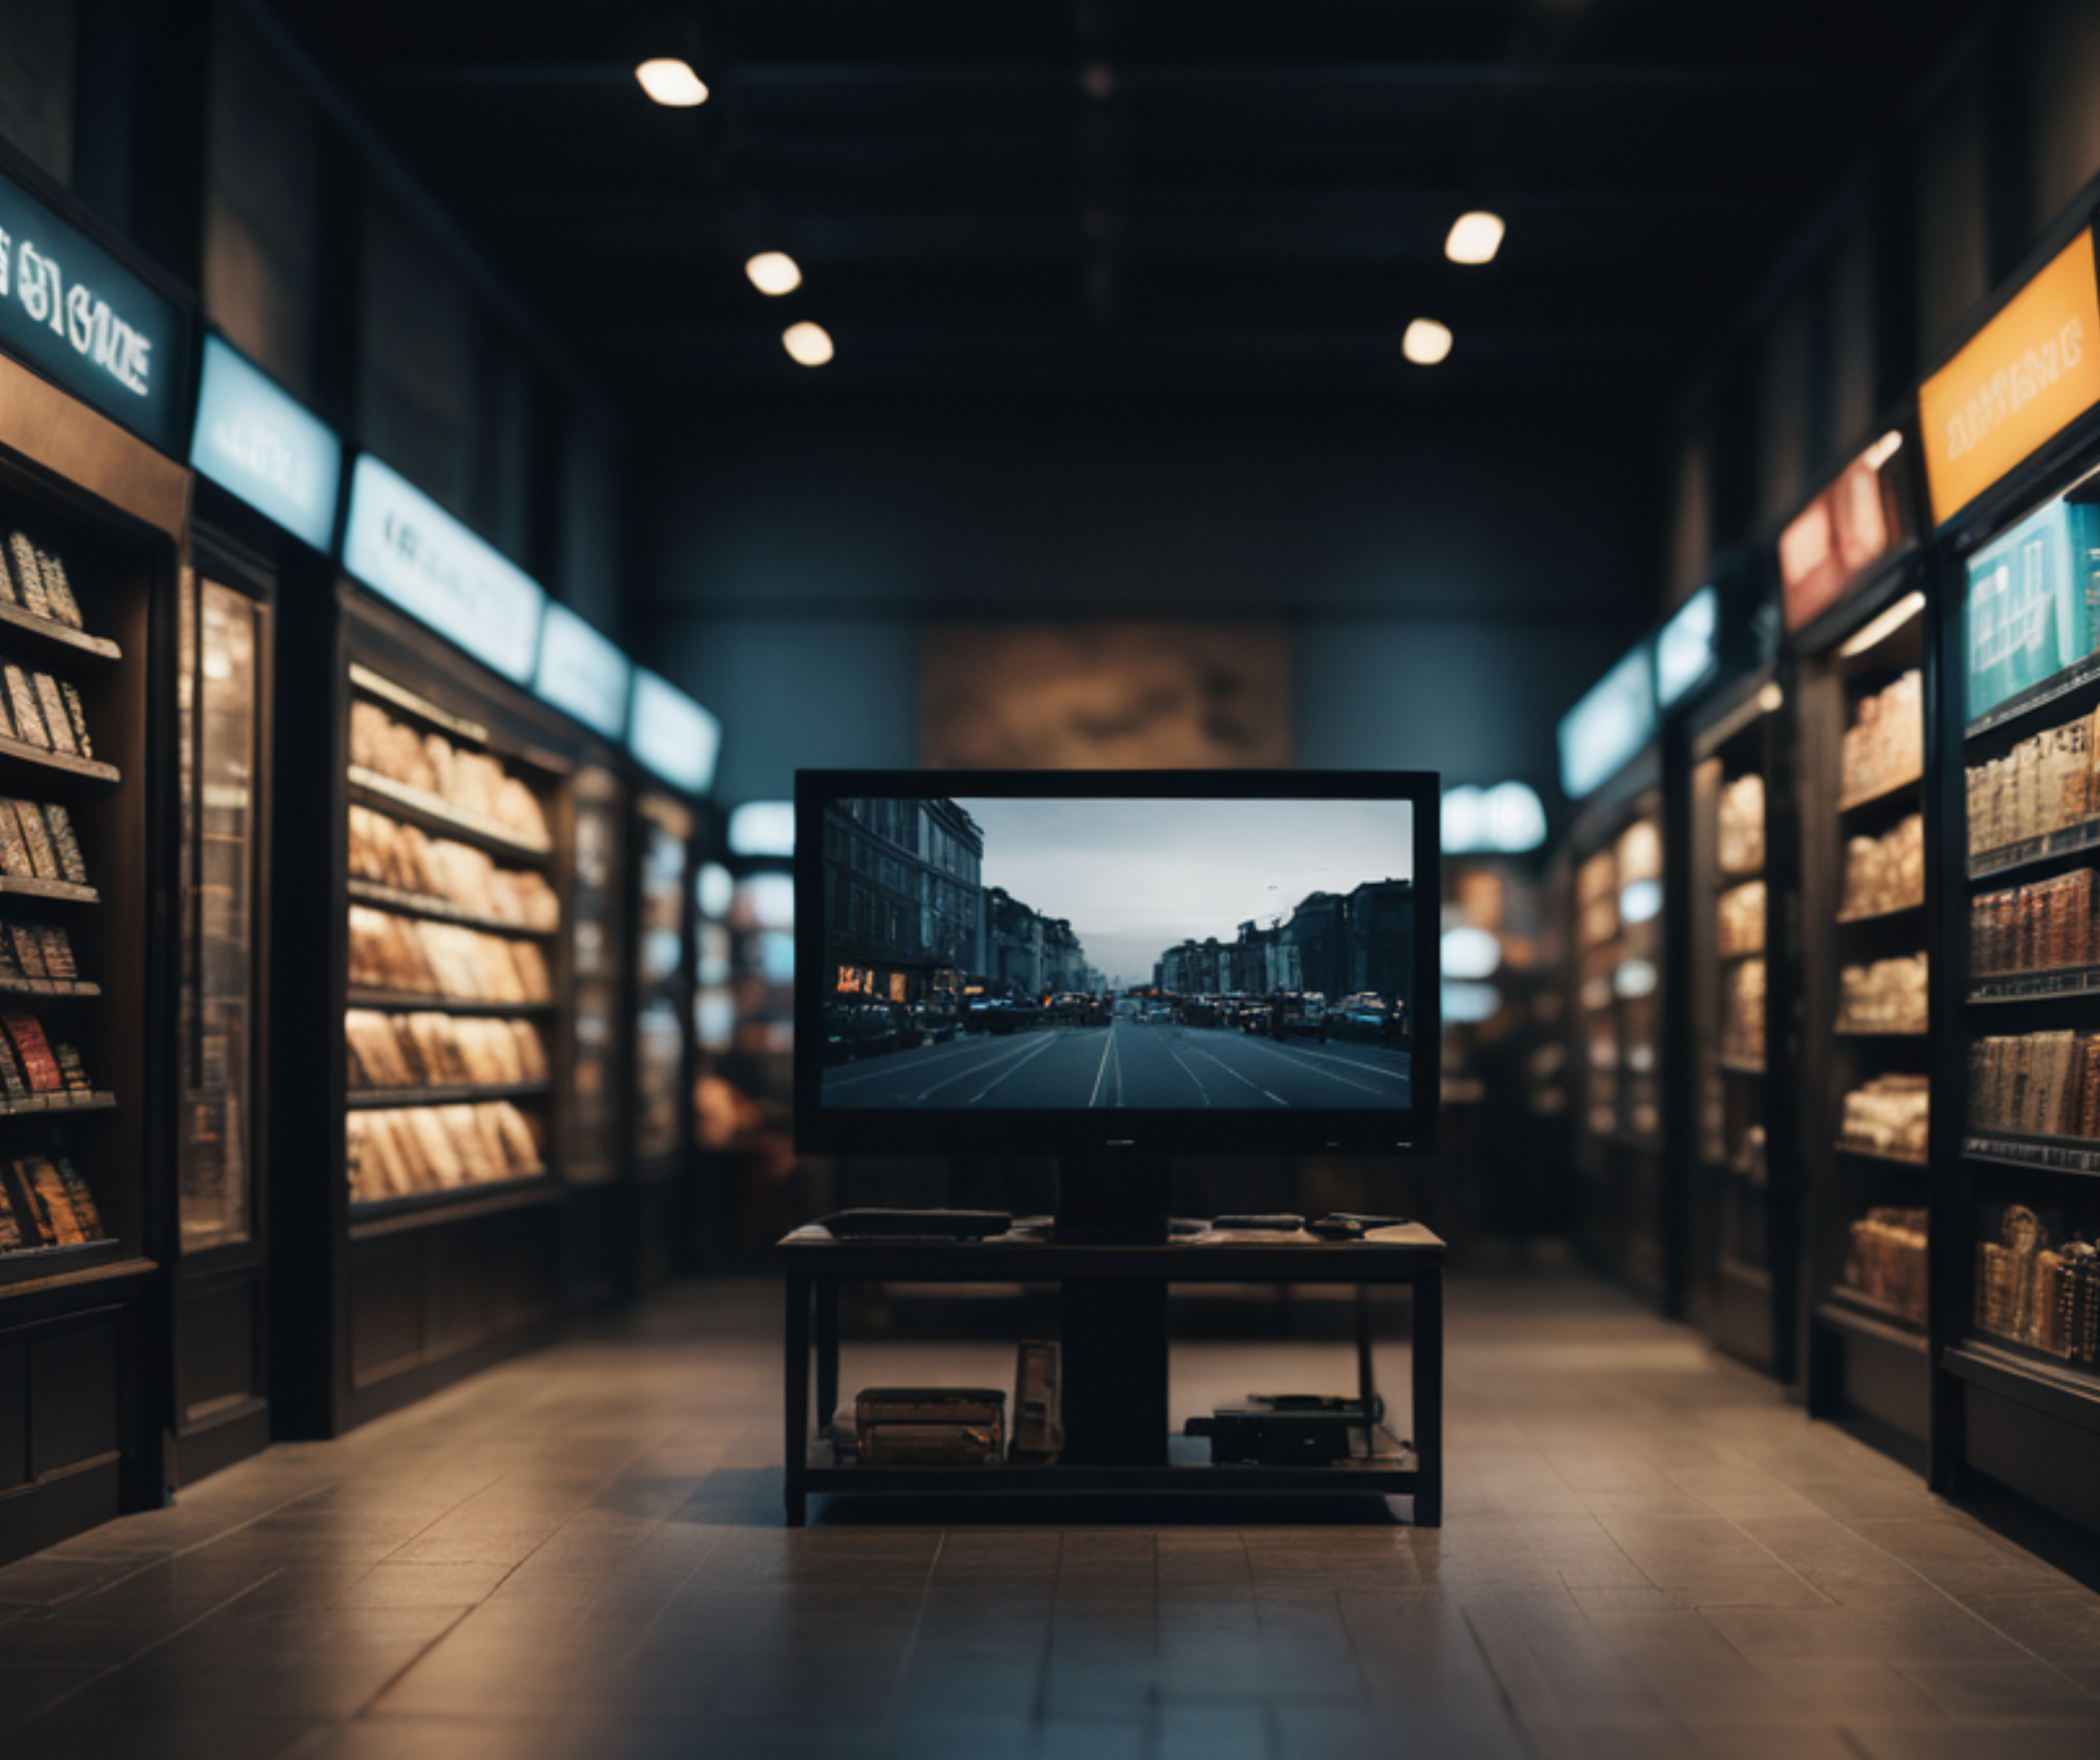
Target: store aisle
581	1555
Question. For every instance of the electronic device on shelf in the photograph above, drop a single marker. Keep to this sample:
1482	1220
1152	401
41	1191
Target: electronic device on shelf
1116	968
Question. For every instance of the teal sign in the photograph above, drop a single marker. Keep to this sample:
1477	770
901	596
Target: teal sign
583	673
671	734
73	311
258	442
1614	721
2029	603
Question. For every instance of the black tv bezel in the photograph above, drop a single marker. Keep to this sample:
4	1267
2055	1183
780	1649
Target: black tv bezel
1126	1133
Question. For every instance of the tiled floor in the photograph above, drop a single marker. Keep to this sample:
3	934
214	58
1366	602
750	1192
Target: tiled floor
581	1557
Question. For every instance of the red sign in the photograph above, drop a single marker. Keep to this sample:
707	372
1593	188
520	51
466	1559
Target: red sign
1840	535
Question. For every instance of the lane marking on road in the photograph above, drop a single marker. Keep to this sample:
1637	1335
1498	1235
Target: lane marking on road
1016	1055
1048	1040
1191	1074
922	1057
1102	1074
1318	1068
1238	1077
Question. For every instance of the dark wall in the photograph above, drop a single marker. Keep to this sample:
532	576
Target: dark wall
1451	580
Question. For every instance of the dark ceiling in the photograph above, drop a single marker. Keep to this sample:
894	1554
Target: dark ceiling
1137	192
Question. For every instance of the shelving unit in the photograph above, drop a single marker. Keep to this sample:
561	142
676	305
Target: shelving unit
81	1315
1618	938
1865	911
440	1260
1739	1234
664	1067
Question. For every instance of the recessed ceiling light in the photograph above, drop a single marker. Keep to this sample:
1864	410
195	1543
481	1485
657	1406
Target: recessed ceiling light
1475	237
774	272
1425	342
807	344
672	82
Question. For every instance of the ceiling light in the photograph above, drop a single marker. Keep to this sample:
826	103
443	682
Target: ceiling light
1475	237
809	343
672	82
1427	342
774	272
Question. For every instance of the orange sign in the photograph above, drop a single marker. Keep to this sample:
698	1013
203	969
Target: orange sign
1840	535
2026	377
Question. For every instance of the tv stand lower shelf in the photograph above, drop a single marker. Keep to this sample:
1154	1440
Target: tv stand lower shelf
1114	1298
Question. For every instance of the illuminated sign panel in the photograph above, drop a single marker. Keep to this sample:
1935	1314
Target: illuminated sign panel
671	734
583	673
1834	543
258	442
2029	603
2028	374
406	548
762	827
78	315
1609	726
1688	648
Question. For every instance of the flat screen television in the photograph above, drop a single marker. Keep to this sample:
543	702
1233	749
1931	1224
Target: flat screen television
1116	966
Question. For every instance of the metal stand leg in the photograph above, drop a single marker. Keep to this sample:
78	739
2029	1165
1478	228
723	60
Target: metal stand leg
1366	1371
1428	1397
797	1433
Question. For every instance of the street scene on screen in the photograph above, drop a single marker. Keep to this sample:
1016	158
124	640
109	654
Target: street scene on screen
1160	955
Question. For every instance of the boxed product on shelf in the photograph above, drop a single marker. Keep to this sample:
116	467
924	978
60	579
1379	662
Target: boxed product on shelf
1639	852
1885	745
37	581
403	856
1743	825
2037	1287
1889	996
1887	1263
1743	1012
1887	873
2046	926
57	1208
1740	924
39	711
1888	1116
415	956
468	781
2044	784
37	843
36	951
407	1152
431	1049
2043	1084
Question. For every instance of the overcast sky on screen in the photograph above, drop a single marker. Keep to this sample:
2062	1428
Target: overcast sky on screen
1134	878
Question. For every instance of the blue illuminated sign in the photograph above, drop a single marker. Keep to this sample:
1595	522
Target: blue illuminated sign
1609	726
77	315
583	673
671	734
1688	648
406	548
254	439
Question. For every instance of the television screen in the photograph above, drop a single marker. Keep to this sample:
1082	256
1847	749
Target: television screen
1079	963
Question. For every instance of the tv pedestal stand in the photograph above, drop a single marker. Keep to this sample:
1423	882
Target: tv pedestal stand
1112	1258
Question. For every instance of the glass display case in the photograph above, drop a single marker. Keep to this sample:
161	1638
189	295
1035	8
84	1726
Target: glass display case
219	690
594	952
662	1086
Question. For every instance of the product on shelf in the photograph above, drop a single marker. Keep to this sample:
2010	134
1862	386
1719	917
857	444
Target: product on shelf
1639	852
1885	874
1597	894
2043	926
37	843
2043	785
1888	1116
36	580
12	1238
431	1049
1887	1263
468	781
404	1153
2044	1084
1739	927
35	950
390	854
2038	1288
46	1068
1885	745
416	956
1887	997
1743	825
1743	1012
39	711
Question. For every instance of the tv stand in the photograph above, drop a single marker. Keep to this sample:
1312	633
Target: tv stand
1114	1358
